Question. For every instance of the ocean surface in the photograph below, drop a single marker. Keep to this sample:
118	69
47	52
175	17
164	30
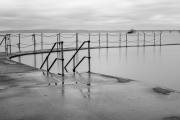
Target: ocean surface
158	65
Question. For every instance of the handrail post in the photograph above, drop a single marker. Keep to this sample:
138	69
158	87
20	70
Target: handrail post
10	49
62	58
9	43
160	38
89	56
73	62
99	39
138	40
34	42
57	41
154	39
19	43
107	40
144	39
5	45
126	39
41	41
47	64
7	48
76	41
119	39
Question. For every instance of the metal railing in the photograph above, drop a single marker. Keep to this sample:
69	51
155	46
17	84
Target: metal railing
73	57
47	57
4	40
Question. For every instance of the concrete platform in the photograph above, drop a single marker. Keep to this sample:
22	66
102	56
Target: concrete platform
28	93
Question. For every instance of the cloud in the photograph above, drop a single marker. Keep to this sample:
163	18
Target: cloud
89	14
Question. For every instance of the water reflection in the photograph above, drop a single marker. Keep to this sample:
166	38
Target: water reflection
84	93
89	92
62	90
126	55
107	55
137	53
144	52
99	53
154	51
35	60
84	89
42	58
89	85
160	52
19	59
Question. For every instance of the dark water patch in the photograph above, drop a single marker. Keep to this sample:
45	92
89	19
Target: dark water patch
162	91
121	80
172	118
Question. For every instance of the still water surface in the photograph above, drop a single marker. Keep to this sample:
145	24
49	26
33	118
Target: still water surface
155	65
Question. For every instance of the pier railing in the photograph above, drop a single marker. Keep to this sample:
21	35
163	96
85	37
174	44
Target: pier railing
17	43
99	40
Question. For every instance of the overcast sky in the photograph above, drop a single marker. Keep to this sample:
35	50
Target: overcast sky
89	14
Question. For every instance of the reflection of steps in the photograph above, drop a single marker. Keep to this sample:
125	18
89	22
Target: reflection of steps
87	78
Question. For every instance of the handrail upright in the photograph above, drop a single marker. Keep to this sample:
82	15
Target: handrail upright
62	55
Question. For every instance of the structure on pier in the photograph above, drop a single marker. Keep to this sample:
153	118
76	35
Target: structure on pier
131	31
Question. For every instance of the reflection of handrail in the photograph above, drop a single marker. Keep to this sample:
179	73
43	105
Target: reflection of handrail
75	54
79	63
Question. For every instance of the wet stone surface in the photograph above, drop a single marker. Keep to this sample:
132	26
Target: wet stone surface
103	78
28	93
172	118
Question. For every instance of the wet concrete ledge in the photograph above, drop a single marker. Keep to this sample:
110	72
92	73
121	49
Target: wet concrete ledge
28	93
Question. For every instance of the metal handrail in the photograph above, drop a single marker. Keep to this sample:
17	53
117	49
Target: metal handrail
75	54
53	63
79	63
2	40
50	53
